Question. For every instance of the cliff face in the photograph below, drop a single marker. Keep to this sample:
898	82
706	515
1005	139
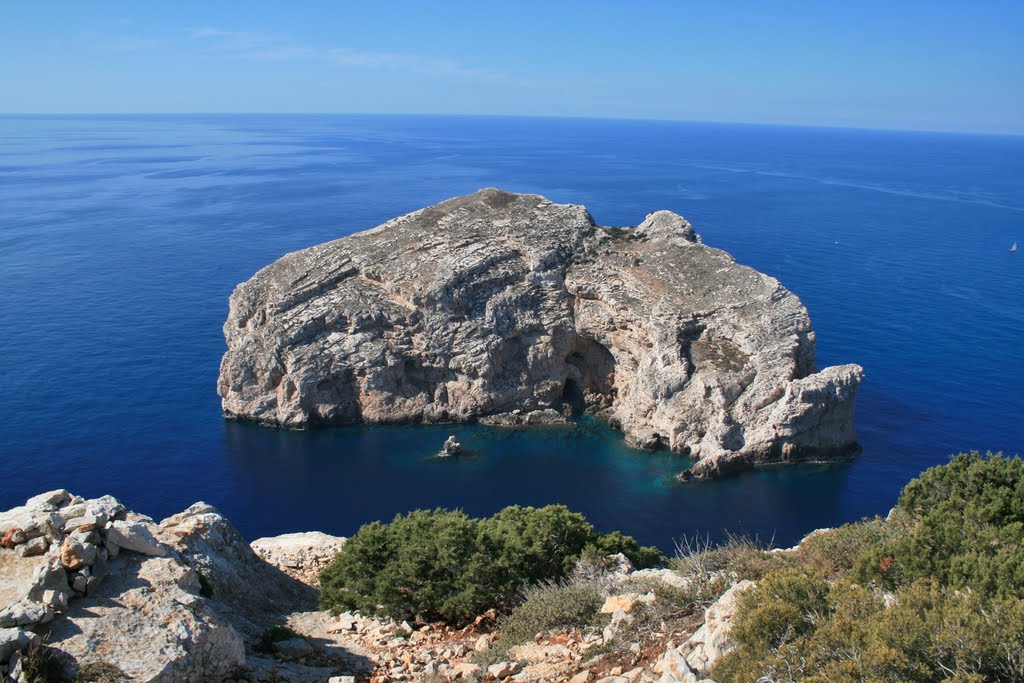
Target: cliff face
496	302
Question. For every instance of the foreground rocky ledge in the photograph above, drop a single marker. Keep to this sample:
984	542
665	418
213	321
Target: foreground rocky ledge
495	302
92	591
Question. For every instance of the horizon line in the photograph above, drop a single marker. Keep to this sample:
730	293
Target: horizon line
837	127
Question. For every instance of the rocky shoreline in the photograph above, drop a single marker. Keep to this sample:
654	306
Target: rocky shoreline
510	309
90	590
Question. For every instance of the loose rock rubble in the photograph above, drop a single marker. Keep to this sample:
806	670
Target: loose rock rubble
436	652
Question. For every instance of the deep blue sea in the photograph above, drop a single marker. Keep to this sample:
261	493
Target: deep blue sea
122	237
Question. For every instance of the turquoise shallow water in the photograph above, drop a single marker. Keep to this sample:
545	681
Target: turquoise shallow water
121	238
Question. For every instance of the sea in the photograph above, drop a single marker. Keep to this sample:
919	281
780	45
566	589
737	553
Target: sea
121	238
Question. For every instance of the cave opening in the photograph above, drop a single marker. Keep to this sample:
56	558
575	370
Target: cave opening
590	377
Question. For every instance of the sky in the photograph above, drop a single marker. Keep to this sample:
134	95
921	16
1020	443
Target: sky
935	65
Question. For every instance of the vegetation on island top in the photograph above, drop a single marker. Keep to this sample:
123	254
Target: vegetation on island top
933	593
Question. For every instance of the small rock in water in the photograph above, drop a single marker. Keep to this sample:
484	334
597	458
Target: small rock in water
451	447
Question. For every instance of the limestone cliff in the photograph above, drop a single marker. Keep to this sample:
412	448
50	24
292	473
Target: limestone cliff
496	302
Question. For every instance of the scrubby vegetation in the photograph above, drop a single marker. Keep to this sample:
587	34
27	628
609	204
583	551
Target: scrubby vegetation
549	607
934	593
443	565
101	672
624	234
575	603
40	664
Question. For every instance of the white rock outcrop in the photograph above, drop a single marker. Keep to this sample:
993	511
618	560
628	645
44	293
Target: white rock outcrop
500	307
299	555
184	600
712	640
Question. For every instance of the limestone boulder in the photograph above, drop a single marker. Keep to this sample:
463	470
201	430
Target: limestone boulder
137	536
252	589
299	555
25	613
713	640
149	619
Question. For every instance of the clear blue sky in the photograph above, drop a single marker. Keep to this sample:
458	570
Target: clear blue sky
936	65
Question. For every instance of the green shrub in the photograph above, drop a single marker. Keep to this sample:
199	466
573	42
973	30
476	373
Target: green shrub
952	557
418	565
784	606
205	587
100	672
965	529
275	634
548	607
846	634
438	564
617	542
836	552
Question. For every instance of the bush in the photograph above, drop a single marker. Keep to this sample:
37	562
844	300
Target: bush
812	633
41	664
742	556
784	607
438	564
548	607
617	542
275	634
952	557
418	565
965	529
205	587
836	552
101	672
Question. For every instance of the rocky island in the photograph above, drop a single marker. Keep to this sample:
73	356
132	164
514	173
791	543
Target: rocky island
509	308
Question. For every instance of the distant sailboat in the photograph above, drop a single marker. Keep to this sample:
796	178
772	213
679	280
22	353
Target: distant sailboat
1013	247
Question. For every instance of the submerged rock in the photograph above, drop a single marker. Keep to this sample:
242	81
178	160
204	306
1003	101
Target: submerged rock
494	302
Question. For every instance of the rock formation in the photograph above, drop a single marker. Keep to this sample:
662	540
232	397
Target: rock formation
450	447
301	556
112	591
494	303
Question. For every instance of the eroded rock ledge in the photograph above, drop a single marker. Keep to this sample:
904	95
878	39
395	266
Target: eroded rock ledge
495	302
